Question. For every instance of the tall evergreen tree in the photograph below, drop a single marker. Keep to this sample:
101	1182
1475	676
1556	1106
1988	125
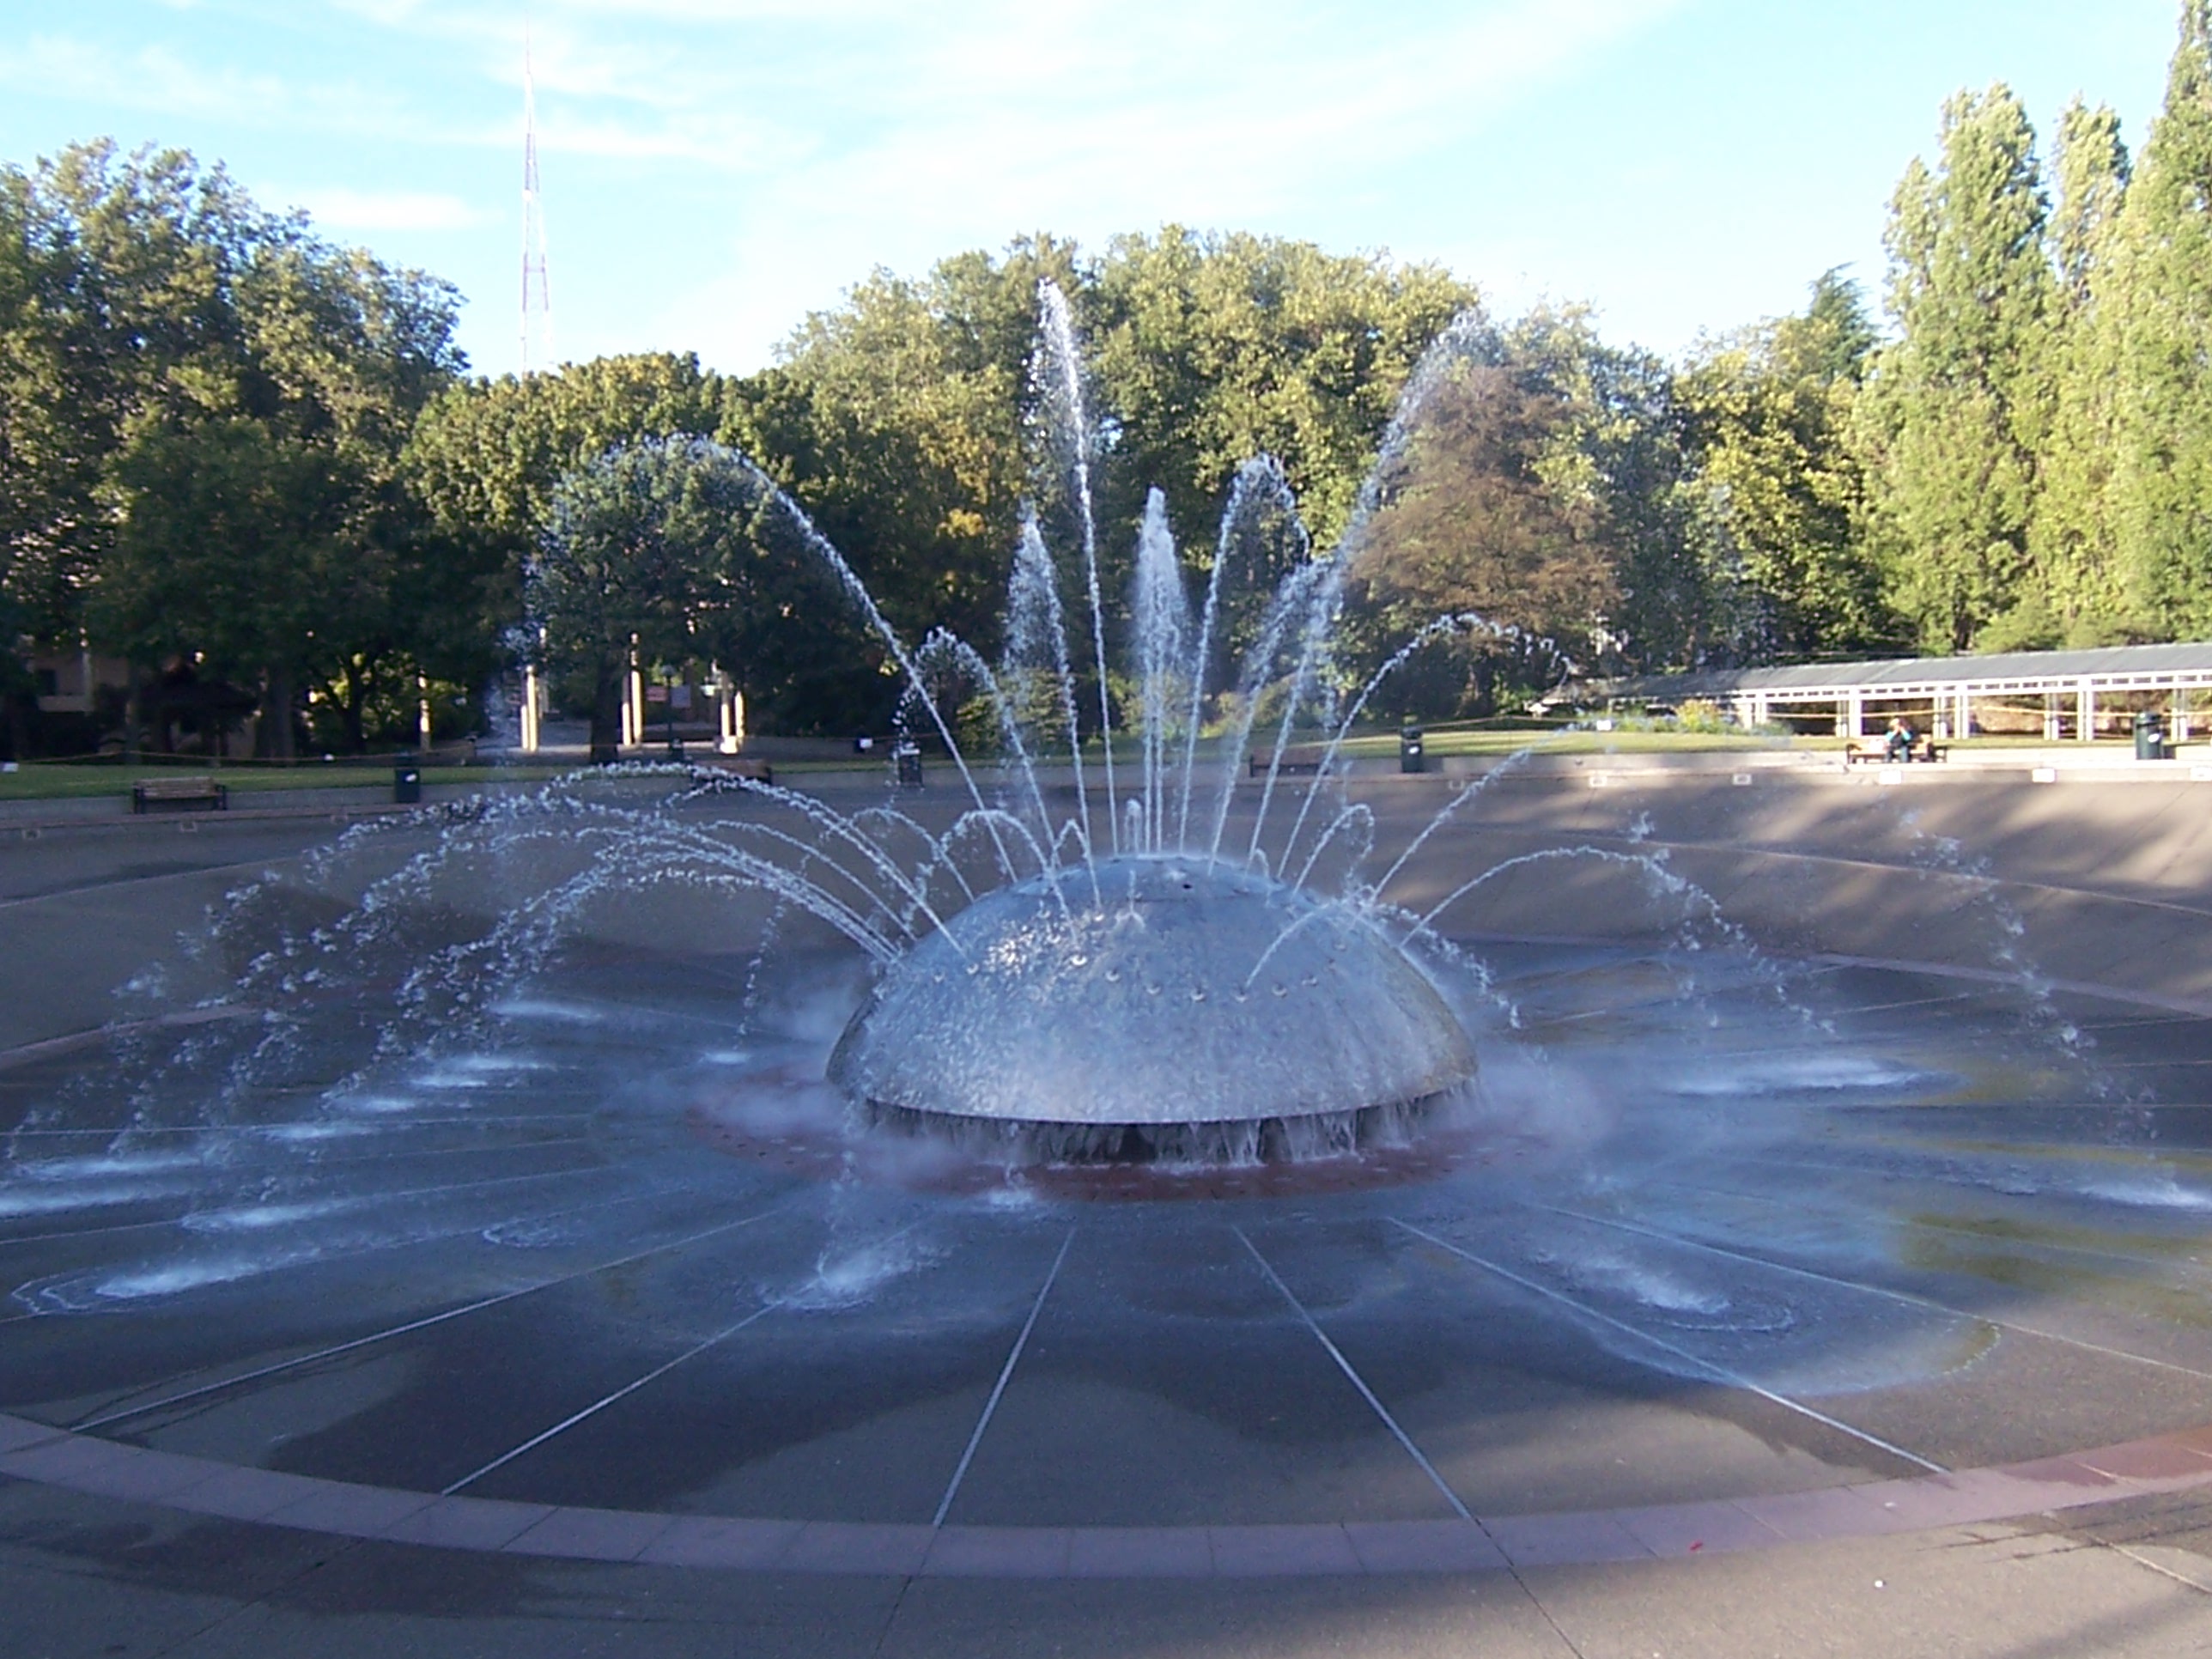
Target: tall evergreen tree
1958	408
2074	597
2162	492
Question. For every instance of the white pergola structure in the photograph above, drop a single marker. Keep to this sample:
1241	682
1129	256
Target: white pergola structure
1951	686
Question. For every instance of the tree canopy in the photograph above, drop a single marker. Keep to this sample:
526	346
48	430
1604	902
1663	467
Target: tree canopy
202	407
243	457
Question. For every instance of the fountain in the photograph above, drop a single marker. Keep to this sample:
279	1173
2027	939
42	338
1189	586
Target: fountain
1088	1167
1154	989
1196	1010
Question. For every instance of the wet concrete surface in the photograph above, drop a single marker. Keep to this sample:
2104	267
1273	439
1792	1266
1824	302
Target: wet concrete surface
1732	1226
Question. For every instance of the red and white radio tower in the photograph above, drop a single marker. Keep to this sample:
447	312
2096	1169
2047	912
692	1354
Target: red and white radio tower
537	288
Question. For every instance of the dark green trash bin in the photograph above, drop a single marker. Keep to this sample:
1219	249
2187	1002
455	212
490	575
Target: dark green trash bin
2150	737
1412	752
406	781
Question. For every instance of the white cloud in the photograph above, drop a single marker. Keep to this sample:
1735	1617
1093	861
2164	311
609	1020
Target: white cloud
158	80
797	144
1088	123
740	84
384	210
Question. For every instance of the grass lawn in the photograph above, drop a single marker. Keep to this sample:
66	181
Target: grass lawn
36	781
1447	742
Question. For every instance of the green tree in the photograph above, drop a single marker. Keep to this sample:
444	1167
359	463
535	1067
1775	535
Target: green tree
149	312
1209	350
898	421
2073	594
228	556
1768	416
634	564
487	457
112	310
2161	294
1956	410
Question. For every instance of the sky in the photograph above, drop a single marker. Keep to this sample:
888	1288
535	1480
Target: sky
714	169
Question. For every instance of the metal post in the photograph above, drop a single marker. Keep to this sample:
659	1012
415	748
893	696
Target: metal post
1856	727
1962	717
2085	718
2180	714
2050	717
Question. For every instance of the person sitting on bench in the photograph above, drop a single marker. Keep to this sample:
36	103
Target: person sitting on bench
1902	736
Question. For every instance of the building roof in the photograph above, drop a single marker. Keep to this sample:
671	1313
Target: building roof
2116	667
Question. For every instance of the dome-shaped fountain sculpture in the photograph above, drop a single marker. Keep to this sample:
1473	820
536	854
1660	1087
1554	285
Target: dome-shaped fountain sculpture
1184	994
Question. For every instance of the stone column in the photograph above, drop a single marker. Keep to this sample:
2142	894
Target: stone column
529	709
633	724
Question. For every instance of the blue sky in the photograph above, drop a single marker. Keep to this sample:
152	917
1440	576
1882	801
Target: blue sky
714	169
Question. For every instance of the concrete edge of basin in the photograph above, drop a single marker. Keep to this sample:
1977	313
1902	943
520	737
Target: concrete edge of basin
90	1464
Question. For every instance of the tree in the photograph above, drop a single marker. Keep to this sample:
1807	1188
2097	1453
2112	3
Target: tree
1209	350
2074	595
487	457
112	310
1957	409
898	419
1620	455
150	312
903	419
1473	524
1540	489
2161	297
634	558
229	555
1768	415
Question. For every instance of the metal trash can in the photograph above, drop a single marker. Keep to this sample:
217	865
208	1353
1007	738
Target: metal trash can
906	758
1412	756
406	781
2150	737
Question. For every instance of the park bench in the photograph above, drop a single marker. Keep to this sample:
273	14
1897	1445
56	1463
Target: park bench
752	768
1926	751
1301	760
183	793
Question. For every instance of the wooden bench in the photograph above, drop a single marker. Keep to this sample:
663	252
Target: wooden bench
183	793
751	768
1926	751
1302	760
